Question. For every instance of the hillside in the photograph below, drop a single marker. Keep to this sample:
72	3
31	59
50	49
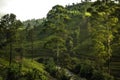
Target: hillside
76	42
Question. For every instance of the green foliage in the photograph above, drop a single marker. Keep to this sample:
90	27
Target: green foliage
97	75
55	42
86	69
24	72
27	62
51	67
61	74
3	62
65	60
1	78
13	73
34	74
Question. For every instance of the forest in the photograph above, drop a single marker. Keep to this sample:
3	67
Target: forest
76	42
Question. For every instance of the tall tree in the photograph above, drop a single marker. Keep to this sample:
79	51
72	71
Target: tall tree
103	30
55	25
9	26
30	37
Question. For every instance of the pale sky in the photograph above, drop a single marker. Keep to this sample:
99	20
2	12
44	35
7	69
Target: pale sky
29	9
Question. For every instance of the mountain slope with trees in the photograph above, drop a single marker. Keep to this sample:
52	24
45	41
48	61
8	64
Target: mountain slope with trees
78	42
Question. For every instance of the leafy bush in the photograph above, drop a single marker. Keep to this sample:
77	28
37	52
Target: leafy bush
30	70
34	74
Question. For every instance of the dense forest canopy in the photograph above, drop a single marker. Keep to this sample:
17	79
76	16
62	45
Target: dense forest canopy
76	42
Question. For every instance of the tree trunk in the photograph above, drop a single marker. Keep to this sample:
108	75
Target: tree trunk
57	55
10	54
109	52
32	47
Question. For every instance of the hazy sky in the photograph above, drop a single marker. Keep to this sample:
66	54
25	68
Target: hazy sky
28	9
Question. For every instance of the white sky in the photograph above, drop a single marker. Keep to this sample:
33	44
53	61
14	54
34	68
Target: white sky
29	9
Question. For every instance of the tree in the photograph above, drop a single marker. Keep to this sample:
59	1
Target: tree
9	26
56	45
30	37
102	31
55	25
